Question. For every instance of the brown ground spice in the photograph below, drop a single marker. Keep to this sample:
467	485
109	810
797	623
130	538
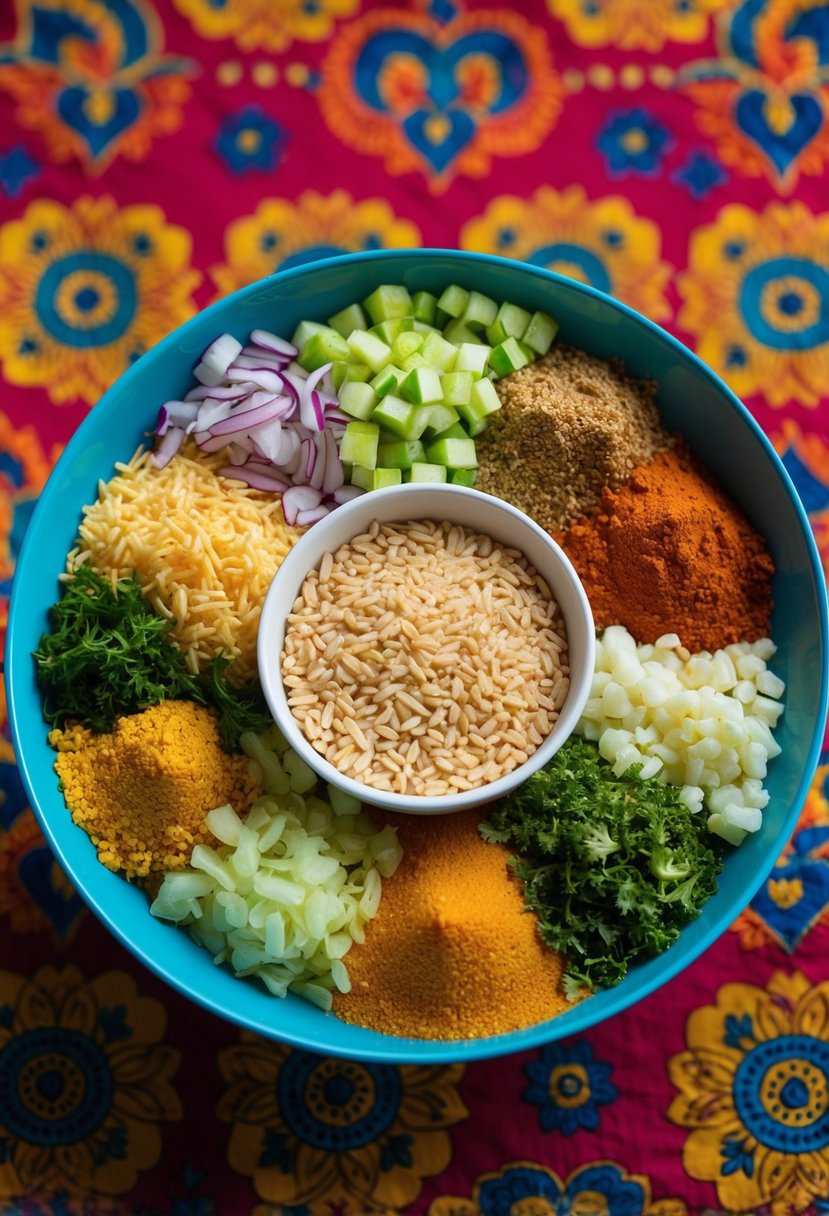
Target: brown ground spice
670	552
570	425
452	953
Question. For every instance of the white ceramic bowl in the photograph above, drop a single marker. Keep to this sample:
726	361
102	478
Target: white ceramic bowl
459	505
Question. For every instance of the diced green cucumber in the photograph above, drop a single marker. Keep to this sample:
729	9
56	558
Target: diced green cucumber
510	321
455	431
424	305
369	349
405	344
348	319
359	443
342	373
472	357
375	479
426	472
421	327
422	386
438	352
453	453
387	380
462	477
441	417
475	426
480	311
400	418
323	347
389	301
457	387
357	399
306	330
413	361
387	331
400	453
454	300
540	333
483	401
508	357
457	332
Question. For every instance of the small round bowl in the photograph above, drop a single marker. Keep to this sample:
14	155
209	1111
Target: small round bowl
458	505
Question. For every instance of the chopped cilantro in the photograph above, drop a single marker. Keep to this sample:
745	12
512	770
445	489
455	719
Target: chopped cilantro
612	866
109	654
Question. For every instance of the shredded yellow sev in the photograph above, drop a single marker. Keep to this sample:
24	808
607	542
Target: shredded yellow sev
204	548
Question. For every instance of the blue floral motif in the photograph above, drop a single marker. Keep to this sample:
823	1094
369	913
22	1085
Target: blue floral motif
700	174
504	1193
803	877
250	141
633	141
16	168
568	1085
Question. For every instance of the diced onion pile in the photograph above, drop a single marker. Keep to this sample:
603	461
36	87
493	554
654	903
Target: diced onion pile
289	889
281	426
703	722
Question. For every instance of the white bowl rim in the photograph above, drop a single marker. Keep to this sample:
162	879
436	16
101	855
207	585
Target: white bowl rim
274	689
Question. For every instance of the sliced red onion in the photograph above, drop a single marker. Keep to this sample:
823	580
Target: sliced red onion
310	409
254	479
296	369
263	337
299	498
263	377
212	411
267	439
220	392
346	494
237	454
333	476
181	413
217	359
259	357
305	518
210	443
309	457
318	475
170	444
162	421
244	420
290	455
332	414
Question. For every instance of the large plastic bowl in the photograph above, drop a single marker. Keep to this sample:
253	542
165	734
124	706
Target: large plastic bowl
692	400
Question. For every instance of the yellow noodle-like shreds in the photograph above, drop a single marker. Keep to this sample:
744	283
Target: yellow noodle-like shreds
205	549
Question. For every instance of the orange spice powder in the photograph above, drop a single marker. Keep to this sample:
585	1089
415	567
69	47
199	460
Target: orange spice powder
452	953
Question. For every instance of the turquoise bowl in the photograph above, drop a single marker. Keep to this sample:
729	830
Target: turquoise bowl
692	400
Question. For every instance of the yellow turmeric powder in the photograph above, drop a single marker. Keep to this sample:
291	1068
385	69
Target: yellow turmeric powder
142	793
452	953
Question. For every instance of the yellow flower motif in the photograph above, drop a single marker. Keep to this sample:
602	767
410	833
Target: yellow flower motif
332	1134
756	299
281	234
631	23
270	25
84	1082
603	243
786	892
754	1093
86	289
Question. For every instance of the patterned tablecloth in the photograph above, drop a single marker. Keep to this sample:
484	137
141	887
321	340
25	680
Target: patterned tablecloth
672	152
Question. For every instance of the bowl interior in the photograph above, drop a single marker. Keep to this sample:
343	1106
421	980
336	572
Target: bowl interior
474	510
692	400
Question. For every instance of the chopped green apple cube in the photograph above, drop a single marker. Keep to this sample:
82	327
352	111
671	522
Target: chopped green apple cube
457	332
413	361
375	479
472	357
441	417
424	305
400	453
540	333
306	330
343	372
454	300
510	322
462	477
480	311
387	380
438	352
400	418
369	349
509	356
405	344
323	347
422	386
421	471
457	387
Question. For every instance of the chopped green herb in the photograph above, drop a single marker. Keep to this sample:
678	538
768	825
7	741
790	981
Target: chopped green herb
612	866
109	654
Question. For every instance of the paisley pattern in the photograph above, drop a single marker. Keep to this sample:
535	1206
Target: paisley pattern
764	100
156	154
440	96
90	76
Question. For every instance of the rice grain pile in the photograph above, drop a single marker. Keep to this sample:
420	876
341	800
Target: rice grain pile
571	425
204	548
423	658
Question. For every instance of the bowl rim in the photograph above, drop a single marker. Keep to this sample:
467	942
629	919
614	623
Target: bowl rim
274	688
401	1050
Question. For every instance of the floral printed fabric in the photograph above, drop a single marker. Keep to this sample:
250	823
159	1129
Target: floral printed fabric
154	156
